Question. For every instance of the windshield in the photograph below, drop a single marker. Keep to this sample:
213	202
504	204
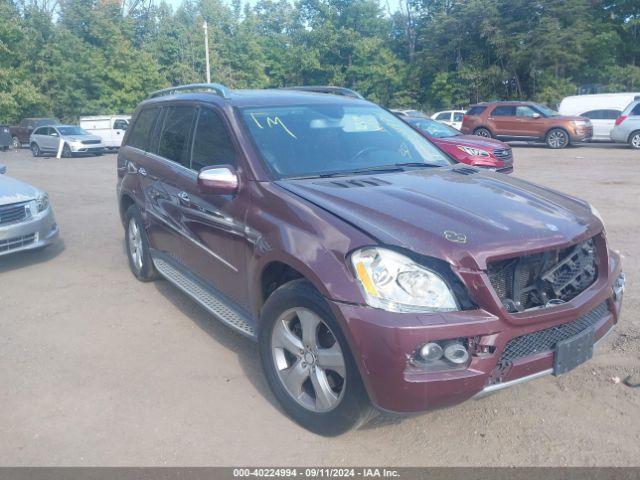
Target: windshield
546	111
72	131
313	140
435	129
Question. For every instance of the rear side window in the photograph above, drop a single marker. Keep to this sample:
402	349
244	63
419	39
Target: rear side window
142	128
212	144
174	137
477	110
40	131
602	114
636	109
504	111
444	116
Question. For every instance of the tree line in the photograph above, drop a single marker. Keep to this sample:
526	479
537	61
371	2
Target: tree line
78	57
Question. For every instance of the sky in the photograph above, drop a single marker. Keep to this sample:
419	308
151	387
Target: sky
393	4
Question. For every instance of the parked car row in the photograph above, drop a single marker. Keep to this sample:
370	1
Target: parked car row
46	135
580	118
372	270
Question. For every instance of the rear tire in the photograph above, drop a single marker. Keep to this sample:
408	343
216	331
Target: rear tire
557	138
301	343
483	132
634	140
137	244
35	149
16	143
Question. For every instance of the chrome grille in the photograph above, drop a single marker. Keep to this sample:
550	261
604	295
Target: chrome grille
546	278
13	213
546	340
504	155
17	242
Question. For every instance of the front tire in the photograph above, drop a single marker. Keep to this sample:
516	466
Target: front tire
66	151
137	245
35	150
483	132
557	138
634	140
308	364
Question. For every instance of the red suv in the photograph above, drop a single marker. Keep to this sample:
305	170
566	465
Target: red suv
371	270
526	121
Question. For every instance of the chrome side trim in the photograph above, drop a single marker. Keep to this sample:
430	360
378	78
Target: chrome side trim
499	386
195	242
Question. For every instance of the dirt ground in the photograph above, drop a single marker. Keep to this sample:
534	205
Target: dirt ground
97	368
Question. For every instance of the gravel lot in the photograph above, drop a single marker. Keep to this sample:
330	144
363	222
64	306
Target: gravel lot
97	368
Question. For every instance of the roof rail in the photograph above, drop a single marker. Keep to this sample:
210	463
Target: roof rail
343	91
216	88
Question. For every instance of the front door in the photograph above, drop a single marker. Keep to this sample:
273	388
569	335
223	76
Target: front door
530	123
217	246
503	121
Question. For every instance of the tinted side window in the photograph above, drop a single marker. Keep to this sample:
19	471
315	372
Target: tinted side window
212	144
504	111
175	134
120	124
445	116
457	116
142	128
477	110
636	110
40	131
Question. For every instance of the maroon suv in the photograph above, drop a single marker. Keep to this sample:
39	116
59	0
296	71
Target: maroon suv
371	270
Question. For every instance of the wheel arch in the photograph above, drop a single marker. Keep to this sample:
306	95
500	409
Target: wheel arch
125	202
633	132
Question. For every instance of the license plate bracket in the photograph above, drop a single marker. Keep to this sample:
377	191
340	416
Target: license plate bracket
573	351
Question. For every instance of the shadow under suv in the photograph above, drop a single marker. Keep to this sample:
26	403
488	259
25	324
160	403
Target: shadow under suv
372	271
526	121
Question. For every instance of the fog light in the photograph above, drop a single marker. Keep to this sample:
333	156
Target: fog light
430	352
618	286
456	353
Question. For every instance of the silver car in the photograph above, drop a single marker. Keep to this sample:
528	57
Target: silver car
26	218
627	127
74	139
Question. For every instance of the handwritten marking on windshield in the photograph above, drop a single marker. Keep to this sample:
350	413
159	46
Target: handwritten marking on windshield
272	122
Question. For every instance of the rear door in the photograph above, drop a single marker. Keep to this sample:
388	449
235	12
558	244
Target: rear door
603	121
216	247
503	121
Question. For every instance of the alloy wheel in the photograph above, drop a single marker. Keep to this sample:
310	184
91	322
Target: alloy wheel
308	360
135	244
66	151
557	139
15	143
35	150
483	132
635	141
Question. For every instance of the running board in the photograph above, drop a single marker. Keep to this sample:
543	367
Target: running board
205	297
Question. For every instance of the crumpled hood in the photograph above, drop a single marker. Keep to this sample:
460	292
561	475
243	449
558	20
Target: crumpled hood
449	213
15	191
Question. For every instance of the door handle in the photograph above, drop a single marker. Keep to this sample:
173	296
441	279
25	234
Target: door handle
142	171
184	198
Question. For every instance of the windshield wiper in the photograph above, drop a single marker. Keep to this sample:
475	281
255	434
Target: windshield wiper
396	167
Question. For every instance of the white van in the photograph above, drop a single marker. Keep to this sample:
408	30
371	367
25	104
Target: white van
110	127
601	108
